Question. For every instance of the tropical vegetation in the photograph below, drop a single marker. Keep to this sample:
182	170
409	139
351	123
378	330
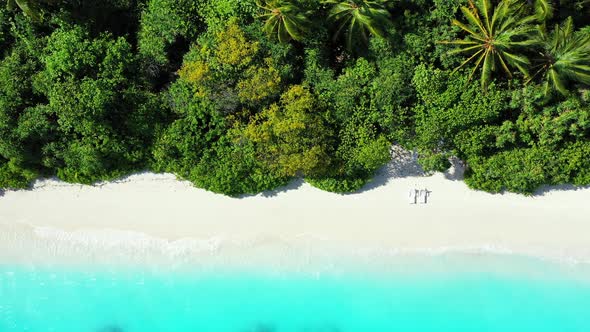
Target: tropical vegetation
563	57
358	19
284	18
242	96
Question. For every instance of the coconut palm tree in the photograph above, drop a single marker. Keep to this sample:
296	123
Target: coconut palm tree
284	19
565	57
495	37
358	19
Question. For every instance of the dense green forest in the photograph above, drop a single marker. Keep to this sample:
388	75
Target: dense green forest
241	96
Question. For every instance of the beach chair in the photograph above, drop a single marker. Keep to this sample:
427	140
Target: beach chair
423	196
412	196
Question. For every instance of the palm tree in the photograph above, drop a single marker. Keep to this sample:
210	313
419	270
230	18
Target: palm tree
565	57
495	37
359	18
284	19
29	7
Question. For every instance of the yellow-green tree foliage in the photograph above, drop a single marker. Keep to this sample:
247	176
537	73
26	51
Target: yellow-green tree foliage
291	136
259	82
231	66
233	48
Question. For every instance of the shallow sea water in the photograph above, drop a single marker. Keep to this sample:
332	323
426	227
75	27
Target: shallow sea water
440	294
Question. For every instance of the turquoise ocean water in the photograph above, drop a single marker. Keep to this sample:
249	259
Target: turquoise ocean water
522	295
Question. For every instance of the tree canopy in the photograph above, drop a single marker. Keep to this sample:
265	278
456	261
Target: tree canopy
241	96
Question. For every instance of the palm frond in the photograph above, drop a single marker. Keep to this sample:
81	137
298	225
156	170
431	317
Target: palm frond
358	19
543	9
565	57
284	19
497	37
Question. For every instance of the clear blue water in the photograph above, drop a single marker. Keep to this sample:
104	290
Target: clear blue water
540	298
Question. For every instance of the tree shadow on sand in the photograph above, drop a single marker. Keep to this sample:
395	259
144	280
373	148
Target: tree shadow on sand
403	164
292	185
546	189
457	170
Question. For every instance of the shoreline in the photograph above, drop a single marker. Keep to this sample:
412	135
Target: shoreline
155	216
113	250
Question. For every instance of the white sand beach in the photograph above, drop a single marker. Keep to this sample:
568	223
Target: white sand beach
156	215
